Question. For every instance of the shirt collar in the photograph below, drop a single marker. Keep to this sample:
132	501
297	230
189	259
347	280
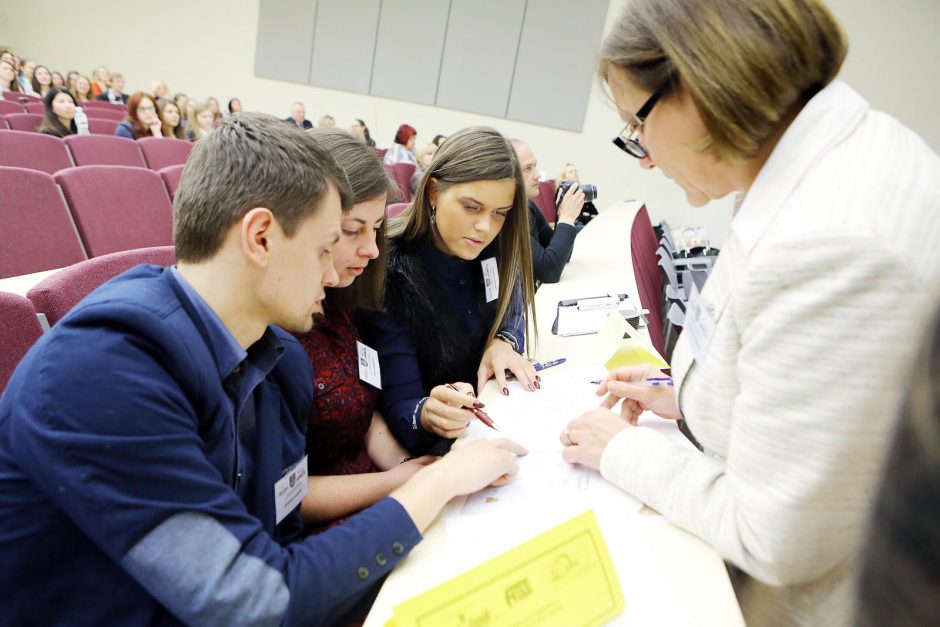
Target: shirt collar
448	269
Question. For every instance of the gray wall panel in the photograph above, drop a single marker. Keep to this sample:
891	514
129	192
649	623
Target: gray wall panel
479	55
285	39
555	65
343	44
408	49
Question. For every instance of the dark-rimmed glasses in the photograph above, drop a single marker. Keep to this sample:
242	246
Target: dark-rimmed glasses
628	139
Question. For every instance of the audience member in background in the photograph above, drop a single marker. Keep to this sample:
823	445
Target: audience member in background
181	99
58	80
115	93
551	248
201	122
298	116
899	580
25	76
142	439
326	121
424	157
234	106
216	110
59	113
82	92
403	150
8	80
101	82
172	120
361	131
466	228
159	89
142	119
794	411
70	79
570	173
438	140
353	460
42	80
189	112
9	57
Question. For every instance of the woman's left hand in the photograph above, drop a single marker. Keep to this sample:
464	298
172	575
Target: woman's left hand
500	357
587	436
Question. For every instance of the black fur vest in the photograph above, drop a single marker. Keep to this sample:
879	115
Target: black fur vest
448	351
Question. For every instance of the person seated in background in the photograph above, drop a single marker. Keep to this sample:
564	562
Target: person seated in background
59	113
201	122
70	79
172	120
82	92
181	99
438	140
8	80
234	106
41	81
361	131
551	248
142	119
189	113
25	77
150	440
298	116
403	150
101	82
424	157
326	121
570	173
216	110
159	89
115	92
58	80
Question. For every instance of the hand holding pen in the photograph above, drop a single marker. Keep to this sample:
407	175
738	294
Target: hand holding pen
477	410
445	412
641	388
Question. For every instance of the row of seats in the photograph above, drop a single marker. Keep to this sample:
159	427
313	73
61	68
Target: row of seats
38	108
30	122
50	154
16	96
52	221
56	295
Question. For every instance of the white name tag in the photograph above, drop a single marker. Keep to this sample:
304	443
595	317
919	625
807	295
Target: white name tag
369	365
699	324
490	279
290	490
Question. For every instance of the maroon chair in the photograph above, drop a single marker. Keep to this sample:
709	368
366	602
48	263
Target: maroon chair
401	173
171	176
161	152
649	282
104	150
98	126
55	295
20	149
105	114
19	331
16	96
24	121
11	107
35	107
545	201
395	209
117	207
103	105
3	124
37	231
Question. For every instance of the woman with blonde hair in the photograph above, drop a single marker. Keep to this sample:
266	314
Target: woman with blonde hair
82	92
793	409
569	172
457	293
200	121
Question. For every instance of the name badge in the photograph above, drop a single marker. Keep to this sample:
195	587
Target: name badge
290	490
699	325
369	365
490	279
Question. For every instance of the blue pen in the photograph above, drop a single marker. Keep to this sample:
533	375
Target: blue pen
548	364
652	382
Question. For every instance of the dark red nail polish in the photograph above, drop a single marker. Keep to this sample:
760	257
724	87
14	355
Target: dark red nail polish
538	378
538	385
479	405
505	391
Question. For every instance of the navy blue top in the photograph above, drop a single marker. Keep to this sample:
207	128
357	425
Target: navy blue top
124	130
139	451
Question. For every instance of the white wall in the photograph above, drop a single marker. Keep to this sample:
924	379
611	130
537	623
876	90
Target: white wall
207	48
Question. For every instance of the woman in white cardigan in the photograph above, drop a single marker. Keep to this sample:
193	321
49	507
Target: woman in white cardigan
790	367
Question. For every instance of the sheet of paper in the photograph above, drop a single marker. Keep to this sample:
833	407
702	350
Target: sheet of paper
562	577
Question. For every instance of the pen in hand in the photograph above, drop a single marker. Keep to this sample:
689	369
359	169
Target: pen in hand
652	382
479	413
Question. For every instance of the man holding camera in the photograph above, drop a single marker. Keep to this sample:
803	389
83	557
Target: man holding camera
551	249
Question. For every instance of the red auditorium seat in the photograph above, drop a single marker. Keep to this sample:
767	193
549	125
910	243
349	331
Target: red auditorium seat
19	331
35	151
24	121
10	107
161	152
37	230
171	176
649	282
105	114
117	207
395	209
104	150
35	107
101	104
3	124
16	96
401	173
55	295
98	126
545	201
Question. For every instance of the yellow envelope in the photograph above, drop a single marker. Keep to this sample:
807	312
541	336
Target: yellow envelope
563	577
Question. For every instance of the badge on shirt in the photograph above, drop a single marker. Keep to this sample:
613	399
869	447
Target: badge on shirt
290	490
369	365
490	279
699	325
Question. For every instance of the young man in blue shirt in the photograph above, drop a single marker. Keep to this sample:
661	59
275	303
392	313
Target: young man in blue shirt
152	443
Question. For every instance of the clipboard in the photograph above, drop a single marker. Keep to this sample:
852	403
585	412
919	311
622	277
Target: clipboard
584	316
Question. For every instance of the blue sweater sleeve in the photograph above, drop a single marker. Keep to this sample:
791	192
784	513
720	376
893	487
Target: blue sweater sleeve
551	249
124	130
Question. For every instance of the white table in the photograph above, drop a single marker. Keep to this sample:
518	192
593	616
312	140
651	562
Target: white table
668	576
24	282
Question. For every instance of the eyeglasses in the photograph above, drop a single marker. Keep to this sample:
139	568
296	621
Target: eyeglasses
628	139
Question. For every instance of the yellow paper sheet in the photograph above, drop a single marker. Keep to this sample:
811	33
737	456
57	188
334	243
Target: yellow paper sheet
632	346
563	577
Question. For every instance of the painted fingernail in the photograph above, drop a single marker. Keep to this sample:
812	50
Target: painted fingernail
505	391
531	387
538	378
479	405
538	386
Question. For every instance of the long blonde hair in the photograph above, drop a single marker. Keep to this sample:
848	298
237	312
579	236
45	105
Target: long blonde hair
479	153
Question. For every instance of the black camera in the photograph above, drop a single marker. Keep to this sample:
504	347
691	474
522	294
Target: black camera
590	191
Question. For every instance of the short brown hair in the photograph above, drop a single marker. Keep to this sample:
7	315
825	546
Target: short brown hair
746	63
250	160
368	179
